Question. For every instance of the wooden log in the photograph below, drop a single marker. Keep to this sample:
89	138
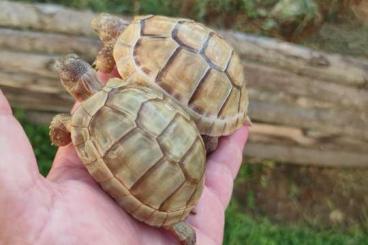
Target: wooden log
269	78
300	155
296	59
290	133
293	136
332	121
45	17
303	61
38	101
36	64
30	82
265	107
48	43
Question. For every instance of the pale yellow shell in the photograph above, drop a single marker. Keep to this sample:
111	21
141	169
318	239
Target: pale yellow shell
143	150
189	62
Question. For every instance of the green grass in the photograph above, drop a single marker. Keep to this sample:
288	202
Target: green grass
292	19
244	15
240	228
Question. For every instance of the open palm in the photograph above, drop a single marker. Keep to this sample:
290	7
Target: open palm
68	207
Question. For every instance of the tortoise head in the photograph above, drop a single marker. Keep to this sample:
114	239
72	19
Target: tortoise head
108	27
77	77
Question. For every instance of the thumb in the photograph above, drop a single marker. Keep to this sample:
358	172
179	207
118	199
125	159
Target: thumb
18	167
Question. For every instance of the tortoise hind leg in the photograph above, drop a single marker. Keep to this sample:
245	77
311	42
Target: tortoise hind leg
60	130
184	233
108	28
210	143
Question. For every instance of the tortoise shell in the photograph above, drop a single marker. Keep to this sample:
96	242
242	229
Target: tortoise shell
189	62
143	150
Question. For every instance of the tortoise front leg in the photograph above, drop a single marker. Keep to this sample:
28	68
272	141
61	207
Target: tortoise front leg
108	28
104	61
60	130
184	233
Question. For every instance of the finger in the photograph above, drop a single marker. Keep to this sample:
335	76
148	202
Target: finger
68	166
203	239
210	216
18	167
223	165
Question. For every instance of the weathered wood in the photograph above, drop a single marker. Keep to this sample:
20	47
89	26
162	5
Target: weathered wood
296	59
48	43
30	82
45	17
332	121
300	155
266	106
263	77
333	68
38	101
37	64
293	136
289	133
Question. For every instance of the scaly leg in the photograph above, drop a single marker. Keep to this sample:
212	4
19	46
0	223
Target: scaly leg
184	233
60	130
104	60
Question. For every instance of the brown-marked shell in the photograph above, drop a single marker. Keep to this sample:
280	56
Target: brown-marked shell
189	62
143	149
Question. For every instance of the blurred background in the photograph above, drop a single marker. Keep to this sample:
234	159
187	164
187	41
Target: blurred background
305	174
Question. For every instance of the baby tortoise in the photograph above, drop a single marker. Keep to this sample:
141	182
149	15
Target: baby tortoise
139	145
186	60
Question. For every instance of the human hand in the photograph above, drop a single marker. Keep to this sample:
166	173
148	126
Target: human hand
68	207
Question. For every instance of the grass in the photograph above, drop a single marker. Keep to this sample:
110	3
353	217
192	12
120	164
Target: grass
294	20
240	228
244	15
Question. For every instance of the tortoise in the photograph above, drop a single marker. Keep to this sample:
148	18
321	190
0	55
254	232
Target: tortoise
141	147
186	60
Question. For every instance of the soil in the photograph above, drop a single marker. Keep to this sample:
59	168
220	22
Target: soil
320	197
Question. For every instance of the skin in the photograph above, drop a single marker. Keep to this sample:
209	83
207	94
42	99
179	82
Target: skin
68	207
